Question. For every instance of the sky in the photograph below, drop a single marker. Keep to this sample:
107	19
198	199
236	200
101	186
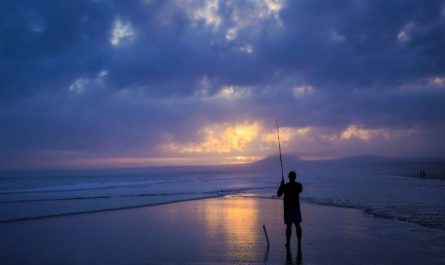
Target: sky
101	83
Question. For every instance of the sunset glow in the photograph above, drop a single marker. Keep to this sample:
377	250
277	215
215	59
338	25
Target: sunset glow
221	138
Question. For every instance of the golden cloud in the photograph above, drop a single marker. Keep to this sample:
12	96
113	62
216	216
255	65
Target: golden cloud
354	131
221	138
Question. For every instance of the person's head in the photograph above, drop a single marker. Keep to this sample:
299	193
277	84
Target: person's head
292	175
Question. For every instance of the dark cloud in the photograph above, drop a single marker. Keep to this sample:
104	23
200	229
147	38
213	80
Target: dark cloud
65	86
47	43
355	43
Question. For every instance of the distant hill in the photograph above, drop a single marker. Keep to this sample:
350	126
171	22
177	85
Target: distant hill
272	163
410	167
293	161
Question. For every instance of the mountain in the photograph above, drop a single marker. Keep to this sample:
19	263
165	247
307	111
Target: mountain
411	167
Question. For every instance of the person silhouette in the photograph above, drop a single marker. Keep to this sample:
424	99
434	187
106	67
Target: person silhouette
291	201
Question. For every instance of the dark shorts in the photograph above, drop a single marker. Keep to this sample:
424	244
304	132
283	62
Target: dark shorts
292	215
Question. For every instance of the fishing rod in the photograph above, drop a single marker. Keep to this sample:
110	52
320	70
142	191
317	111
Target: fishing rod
279	148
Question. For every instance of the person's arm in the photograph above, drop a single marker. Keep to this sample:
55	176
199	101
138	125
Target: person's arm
301	188
280	190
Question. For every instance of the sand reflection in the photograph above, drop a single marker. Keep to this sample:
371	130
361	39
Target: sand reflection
235	222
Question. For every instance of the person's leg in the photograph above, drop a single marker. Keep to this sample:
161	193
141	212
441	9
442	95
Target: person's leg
299	233
288	234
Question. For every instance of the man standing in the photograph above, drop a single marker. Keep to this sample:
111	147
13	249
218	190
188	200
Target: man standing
292	213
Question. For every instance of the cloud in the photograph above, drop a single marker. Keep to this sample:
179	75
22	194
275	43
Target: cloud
121	32
354	131
206	11
303	90
220	138
100	79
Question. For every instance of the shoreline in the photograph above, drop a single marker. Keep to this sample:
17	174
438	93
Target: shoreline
198	196
222	194
372	213
32	218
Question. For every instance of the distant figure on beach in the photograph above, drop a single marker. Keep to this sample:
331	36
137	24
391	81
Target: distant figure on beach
292	213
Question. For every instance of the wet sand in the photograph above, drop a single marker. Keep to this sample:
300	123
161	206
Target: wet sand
218	231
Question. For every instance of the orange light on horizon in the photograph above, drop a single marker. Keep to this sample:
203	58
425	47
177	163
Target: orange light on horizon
232	143
242	159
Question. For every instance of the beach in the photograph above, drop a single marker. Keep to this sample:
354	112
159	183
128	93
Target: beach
172	132
226	230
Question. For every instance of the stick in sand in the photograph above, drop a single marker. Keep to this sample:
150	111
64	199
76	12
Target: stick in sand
265	234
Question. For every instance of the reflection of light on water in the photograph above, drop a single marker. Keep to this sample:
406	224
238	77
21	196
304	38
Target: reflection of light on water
234	221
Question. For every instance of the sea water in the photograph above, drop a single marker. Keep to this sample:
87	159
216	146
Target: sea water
30	195
419	201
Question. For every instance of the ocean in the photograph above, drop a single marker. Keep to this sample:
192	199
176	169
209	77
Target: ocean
41	194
